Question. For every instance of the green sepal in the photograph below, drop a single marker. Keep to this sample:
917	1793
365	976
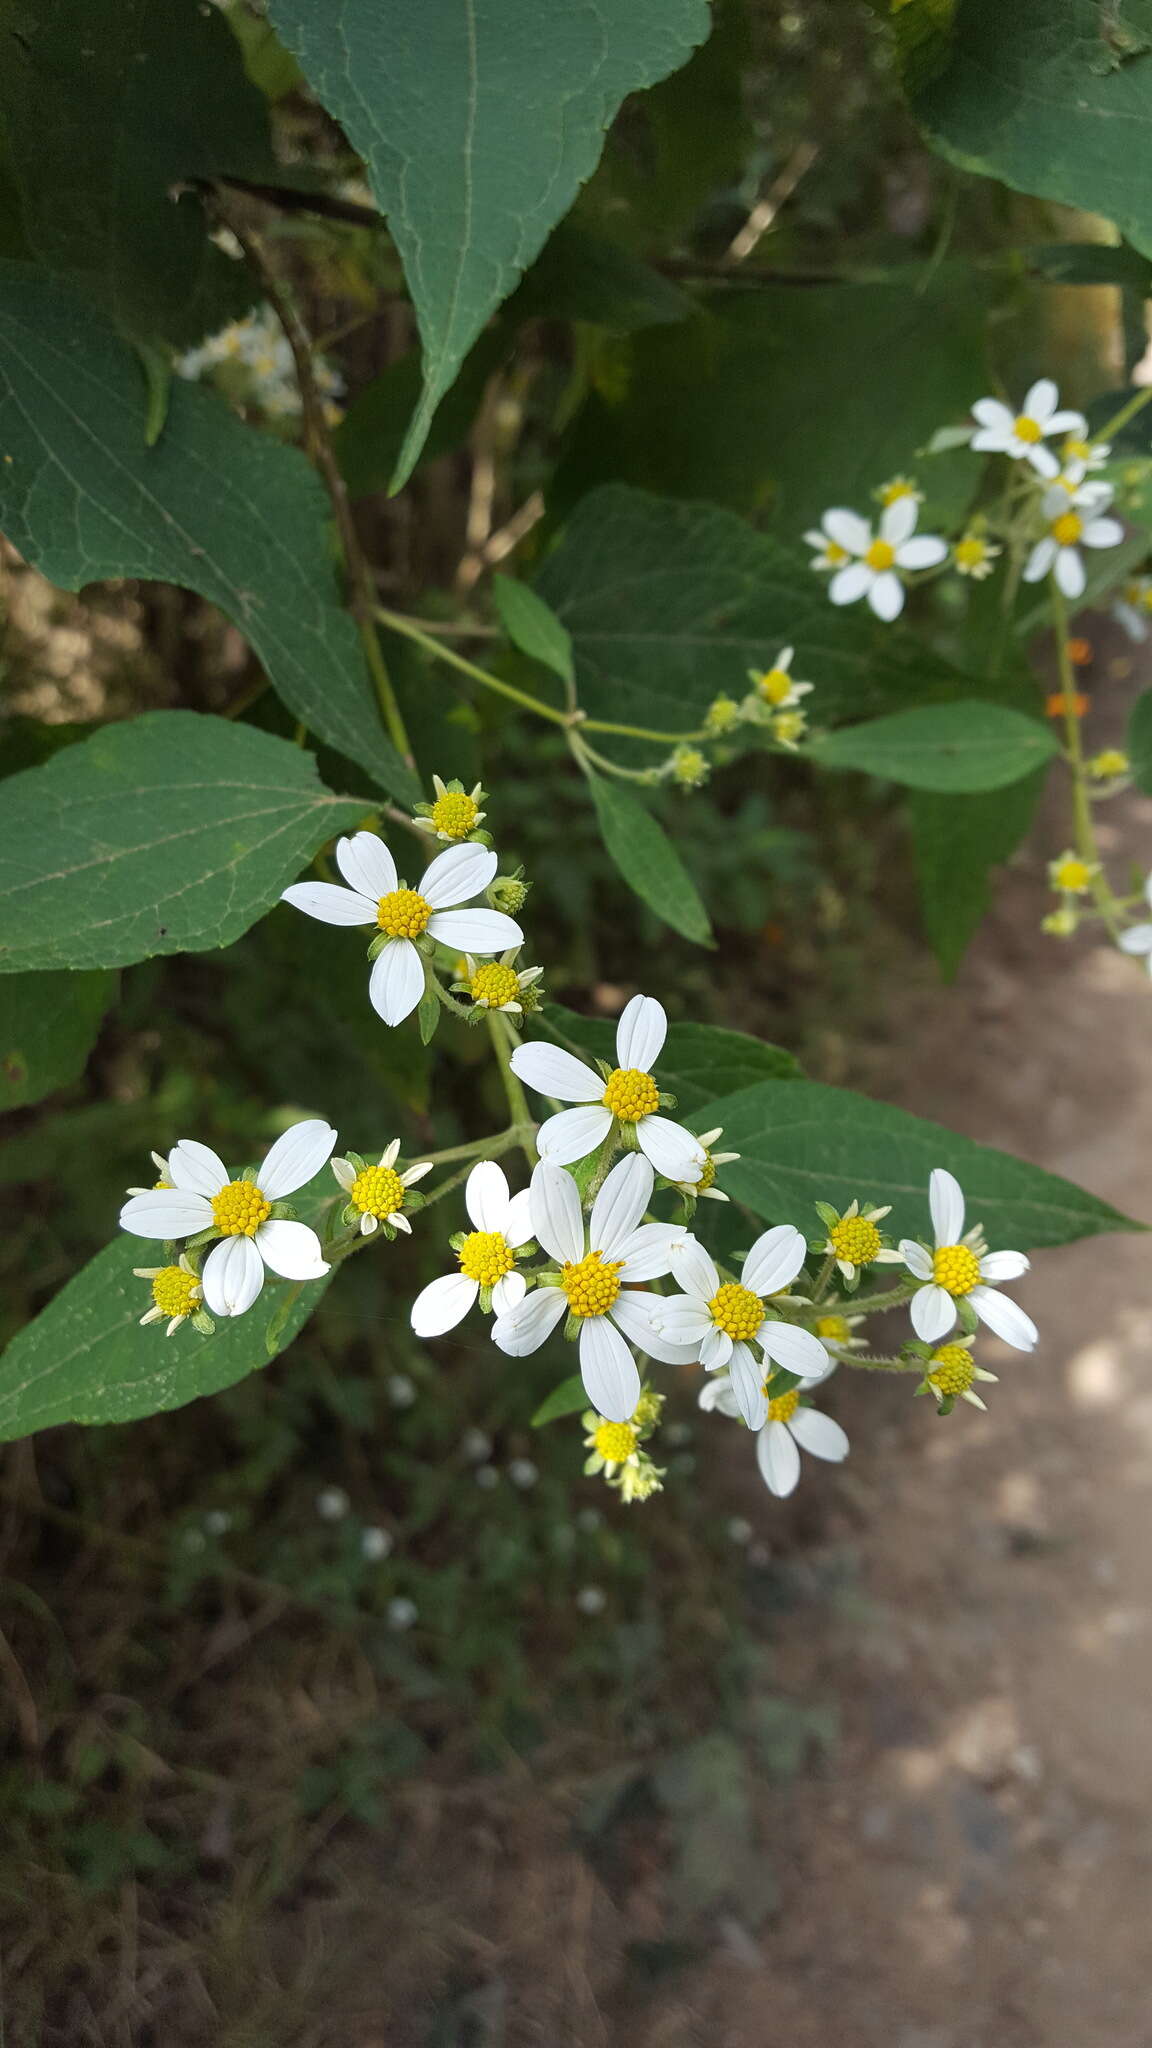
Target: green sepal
827	1214
284	1211
413	1199
851	1282
350	1213
202	1237
667	1101
377	946
572	1326
249	1173
202	1322
782	1382
428	1016
566	1399
284	1310
945	1403
486	1301
456	1241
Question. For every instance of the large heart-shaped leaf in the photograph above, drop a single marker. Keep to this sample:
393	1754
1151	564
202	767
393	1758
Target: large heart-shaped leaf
478	121
230	513
800	1143
170	834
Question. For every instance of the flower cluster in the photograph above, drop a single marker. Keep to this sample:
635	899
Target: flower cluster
600	1245
255	359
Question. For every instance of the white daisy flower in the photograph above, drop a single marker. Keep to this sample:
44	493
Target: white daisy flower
1074	522
240	1213
705	1189
1022	435
1133	606
376	896
1137	940
455	814
629	1094
600	1261
787	1424
486	1256
721	1320
776	685
1079	455
878	558
959	1269
830	554
376	1193
498	985
176	1294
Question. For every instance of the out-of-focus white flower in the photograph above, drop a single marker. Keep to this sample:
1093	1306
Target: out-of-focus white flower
591	1600
1075	520
1022	435
402	1614
375	1544
376	896
332	1504
787	1425
629	1094
974	555
1137	940
775	685
959	1269
240	1213
401	1390
878	558
1132	607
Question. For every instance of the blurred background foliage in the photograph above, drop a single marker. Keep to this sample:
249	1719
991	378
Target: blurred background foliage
236	1643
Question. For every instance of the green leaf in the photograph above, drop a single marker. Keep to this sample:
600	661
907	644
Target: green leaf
214	506
801	1142
956	748
669	604
1140	742
581	276
957	841
1092	263
86	1358
533	627
648	860
698	1063
170	834
48	1026
1051	97
748	404
477	126
109	106
566	1399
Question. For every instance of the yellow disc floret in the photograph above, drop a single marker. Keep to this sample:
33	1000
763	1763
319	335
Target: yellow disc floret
970	551
175	1292
833	1329
855	1240
835	555
736	1311
1072	875
629	1094
881	555
776	685
486	1256
403	914
615	1441
239	1209
784	1407
1067	529
955	1268
591	1283
953	1370
707	1174
493	985
455	814
377	1191
1026	429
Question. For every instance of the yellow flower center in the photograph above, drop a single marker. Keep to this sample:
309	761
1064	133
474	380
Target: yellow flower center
1077	451
615	1441
455	814
899	487
377	1191
834	1329
707	1174
1072	875
970	552
784	1407
835	554
1110	762
952	1370
955	1268
239	1209
494	985
175	1292
1067	529
881	555
736	1311
591	1283
629	1094
1027	429
403	914
486	1256
855	1239
776	685
789	725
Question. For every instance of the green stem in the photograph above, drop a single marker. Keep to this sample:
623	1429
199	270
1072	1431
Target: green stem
448	1002
823	1278
870	1304
1127	412
386	697
504	1044
502	1142
586	755
882	1364
399	624
640	732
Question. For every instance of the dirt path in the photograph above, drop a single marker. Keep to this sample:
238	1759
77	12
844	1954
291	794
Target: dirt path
974	1867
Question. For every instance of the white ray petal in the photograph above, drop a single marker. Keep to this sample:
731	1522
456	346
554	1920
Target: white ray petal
232	1277
848	530
196	1168
508	1293
778	1459
886	596
640	1034
1005	1318
933	1313
946	1205
645	1251
527	1326
457	875
557	1219
636	1312
796	1350
850	583
330	904
442	1304
486	1196
552	1071
620	1204
166	1212
296	1157
774	1260
573	1133
746	1379
291	1249
518	1222
1004	1266
366	865
819	1435
608	1369
476	930
673	1151
693	1269
396	982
